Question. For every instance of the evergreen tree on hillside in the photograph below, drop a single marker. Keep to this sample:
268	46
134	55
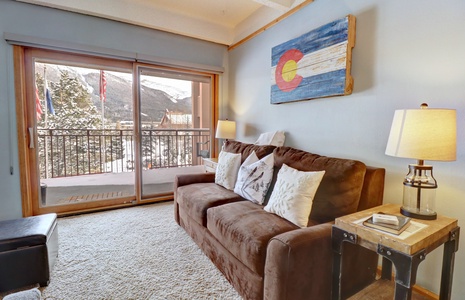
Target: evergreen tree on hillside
72	104
74	148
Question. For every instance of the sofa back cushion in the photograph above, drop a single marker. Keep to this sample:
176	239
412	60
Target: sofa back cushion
340	189
247	149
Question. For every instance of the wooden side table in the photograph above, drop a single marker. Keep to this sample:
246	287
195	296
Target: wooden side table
210	164
406	251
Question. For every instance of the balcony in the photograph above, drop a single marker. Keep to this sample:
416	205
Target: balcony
79	165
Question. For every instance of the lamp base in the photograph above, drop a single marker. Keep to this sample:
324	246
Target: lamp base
418	215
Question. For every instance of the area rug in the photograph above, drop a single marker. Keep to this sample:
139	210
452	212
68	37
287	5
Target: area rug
132	253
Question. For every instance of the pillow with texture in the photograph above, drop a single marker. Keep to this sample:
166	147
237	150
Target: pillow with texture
293	194
226	171
254	178
275	138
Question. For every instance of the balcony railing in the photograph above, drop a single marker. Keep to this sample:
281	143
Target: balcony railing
73	152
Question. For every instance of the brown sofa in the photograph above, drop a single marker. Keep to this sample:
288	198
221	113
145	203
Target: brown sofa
267	257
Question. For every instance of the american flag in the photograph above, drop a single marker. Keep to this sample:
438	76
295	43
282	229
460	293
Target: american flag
39	110
103	86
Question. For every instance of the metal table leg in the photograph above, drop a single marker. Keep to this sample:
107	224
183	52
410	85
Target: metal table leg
386	270
406	269
338	237
450	247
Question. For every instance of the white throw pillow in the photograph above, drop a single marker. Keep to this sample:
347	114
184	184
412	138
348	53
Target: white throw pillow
226	171
275	138
255	177
293	193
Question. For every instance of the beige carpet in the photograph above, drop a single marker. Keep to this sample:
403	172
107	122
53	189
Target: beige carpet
132	253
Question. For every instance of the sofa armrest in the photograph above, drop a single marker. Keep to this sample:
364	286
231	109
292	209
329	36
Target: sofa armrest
299	265
186	179
373	188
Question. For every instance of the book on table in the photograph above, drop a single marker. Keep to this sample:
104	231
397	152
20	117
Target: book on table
391	228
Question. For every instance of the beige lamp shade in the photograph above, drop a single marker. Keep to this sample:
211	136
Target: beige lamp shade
226	129
423	134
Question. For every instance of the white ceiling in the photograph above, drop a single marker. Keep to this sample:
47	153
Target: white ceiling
221	21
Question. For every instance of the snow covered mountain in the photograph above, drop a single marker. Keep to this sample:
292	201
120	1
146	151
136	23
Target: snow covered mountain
157	96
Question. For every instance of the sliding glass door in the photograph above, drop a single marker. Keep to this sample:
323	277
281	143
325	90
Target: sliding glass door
174	118
100	133
84	152
79	151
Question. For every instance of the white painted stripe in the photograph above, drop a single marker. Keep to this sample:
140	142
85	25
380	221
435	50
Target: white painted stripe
319	62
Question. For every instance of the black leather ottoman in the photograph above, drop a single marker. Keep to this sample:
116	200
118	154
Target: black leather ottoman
28	251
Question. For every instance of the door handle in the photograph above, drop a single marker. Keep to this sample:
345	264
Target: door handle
31	137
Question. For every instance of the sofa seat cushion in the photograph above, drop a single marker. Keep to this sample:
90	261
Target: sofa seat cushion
199	197
244	228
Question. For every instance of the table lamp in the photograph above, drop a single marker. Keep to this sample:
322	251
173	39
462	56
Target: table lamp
422	134
225	130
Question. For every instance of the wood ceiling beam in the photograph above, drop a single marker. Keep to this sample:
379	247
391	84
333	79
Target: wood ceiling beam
269	25
282	5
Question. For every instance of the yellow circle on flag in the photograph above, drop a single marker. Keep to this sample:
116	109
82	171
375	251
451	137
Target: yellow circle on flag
289	70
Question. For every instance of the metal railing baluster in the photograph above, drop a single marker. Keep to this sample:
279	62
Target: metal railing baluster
82	151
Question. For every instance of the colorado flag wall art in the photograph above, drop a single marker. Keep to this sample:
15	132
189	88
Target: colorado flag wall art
314	65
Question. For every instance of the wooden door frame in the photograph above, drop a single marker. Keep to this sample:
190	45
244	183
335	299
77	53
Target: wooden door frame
27	191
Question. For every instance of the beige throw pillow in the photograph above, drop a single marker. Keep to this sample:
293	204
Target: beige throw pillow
254	177
293	193
275	138
226	171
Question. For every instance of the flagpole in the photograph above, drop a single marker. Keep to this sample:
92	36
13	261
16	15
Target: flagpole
45	96
103	127
102	104
102	107
46	121
103	113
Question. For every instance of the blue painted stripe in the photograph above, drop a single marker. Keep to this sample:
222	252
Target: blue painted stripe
322	85
319	38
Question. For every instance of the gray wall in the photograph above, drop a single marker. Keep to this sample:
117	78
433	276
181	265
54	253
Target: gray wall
87	32
406	53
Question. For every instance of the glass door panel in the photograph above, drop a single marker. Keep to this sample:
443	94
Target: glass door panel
85	140
174	120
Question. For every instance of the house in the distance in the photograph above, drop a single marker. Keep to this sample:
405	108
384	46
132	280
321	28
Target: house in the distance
175	120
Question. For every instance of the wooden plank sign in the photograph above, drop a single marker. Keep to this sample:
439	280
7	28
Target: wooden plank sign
314	65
